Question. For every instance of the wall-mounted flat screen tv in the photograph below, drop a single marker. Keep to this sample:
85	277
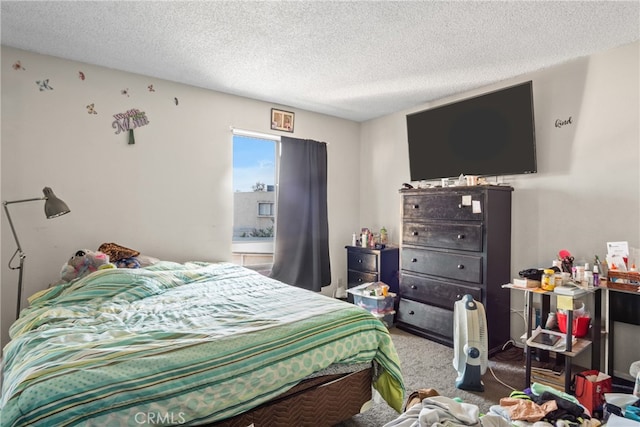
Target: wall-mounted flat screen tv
488	135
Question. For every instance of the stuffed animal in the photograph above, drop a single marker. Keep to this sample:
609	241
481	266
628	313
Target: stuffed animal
82	263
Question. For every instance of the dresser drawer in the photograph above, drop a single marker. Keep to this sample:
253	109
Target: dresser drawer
466	237
361	261
436	292
433	319
355	278
444	264
446	206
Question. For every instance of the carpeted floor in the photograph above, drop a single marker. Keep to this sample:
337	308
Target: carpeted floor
426	364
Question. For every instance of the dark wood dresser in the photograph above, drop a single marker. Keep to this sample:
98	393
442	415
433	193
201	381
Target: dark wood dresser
455	241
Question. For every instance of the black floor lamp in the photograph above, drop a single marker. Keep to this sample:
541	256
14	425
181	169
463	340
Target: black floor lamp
53	207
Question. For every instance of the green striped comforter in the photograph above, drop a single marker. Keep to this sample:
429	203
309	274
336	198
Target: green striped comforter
178	344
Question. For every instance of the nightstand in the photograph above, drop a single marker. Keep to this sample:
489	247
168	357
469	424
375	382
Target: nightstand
372	265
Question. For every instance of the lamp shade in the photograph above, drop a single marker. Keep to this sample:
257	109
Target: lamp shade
53	207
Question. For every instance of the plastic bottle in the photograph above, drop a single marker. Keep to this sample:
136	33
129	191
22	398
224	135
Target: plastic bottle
587	280
578	273
596	275
353	239
602	268
633	269
383	235
587	276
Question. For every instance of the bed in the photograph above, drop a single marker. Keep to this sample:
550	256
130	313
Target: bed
192	344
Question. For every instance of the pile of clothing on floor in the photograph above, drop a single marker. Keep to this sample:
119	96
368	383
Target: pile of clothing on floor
543	406
538	406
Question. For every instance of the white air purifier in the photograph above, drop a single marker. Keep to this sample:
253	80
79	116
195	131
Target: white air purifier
469	343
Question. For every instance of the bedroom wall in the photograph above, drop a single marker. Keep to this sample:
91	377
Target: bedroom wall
586	191
169	195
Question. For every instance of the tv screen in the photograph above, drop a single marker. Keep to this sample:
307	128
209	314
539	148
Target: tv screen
488	135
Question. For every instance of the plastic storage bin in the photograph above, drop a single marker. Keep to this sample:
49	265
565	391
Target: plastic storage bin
376	304
387	318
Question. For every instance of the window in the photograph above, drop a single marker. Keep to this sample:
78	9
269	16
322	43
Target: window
254	186
265	209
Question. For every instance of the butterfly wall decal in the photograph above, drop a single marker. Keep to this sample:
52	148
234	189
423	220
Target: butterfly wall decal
43	85
151	89
81	75
91	109
18	66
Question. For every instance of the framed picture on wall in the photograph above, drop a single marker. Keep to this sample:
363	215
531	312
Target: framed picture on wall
282	120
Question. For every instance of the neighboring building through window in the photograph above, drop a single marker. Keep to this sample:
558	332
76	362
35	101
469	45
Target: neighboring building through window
254	185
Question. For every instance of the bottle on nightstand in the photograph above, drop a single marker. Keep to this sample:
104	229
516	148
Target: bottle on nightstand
383	236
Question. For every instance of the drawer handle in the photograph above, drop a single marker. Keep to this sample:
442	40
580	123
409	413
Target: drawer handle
460	266
414	287
360	261
415	206
414	233
459	205
359	280
411	313
414	260
460	236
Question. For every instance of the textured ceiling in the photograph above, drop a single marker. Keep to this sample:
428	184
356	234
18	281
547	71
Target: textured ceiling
352	59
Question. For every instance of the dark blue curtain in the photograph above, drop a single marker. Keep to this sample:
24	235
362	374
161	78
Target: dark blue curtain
301	255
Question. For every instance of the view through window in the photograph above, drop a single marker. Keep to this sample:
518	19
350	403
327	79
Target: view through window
254	186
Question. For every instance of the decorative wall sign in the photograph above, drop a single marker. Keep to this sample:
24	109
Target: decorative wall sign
560	123
282	120
130	120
